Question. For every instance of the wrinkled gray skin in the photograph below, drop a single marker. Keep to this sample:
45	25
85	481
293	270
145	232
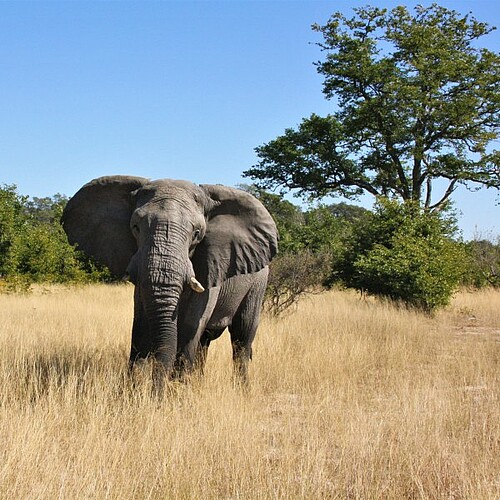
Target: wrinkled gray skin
198	256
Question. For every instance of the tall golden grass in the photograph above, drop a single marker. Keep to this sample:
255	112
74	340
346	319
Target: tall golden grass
349	398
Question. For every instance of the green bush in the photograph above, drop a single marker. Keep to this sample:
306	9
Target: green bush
44	255
34	247
406	254
11	224
422	272
484	263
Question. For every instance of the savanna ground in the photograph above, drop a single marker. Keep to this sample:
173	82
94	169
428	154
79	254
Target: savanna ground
349	398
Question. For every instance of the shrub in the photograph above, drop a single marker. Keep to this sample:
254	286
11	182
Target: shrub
34	247
12	224
484	264
422	272
294	275
405	253
44	255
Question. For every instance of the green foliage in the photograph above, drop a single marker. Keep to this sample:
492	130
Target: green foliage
314	160
404	253
419	271
484	264
310	241
417	100
44	255
399	251
33	245
319	229
12	224
47	210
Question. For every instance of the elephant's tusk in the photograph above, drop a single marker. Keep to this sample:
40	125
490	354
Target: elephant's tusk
196	285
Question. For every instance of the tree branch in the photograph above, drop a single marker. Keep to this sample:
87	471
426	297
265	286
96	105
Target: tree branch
428	193
446	195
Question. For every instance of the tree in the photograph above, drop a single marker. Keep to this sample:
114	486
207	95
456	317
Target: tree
46	210
417	100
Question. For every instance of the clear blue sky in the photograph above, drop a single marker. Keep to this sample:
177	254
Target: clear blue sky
168	89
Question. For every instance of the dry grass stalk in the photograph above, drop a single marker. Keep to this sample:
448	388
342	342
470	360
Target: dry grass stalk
349	398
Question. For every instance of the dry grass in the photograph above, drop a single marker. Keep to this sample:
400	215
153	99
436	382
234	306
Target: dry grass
349	399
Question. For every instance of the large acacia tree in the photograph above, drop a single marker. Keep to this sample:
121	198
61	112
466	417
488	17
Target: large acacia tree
417	99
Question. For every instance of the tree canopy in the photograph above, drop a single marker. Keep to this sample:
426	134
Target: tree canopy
417	101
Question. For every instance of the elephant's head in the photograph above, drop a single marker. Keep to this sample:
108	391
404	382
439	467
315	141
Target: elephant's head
168	235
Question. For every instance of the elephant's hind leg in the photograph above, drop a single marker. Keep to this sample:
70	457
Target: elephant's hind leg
243	329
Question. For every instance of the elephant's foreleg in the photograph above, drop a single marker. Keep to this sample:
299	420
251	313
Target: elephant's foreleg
141	345
141	342
202	351
186	356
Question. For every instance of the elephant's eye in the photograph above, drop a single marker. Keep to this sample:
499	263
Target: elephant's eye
196	234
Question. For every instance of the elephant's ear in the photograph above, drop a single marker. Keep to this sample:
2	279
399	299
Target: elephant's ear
241	236
97	219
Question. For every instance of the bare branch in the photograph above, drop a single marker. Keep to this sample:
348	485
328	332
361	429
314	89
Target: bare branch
447	194
428	194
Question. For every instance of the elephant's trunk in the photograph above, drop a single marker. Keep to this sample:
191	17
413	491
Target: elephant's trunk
163	278
161	311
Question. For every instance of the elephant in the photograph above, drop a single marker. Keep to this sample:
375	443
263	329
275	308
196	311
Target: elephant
198	256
